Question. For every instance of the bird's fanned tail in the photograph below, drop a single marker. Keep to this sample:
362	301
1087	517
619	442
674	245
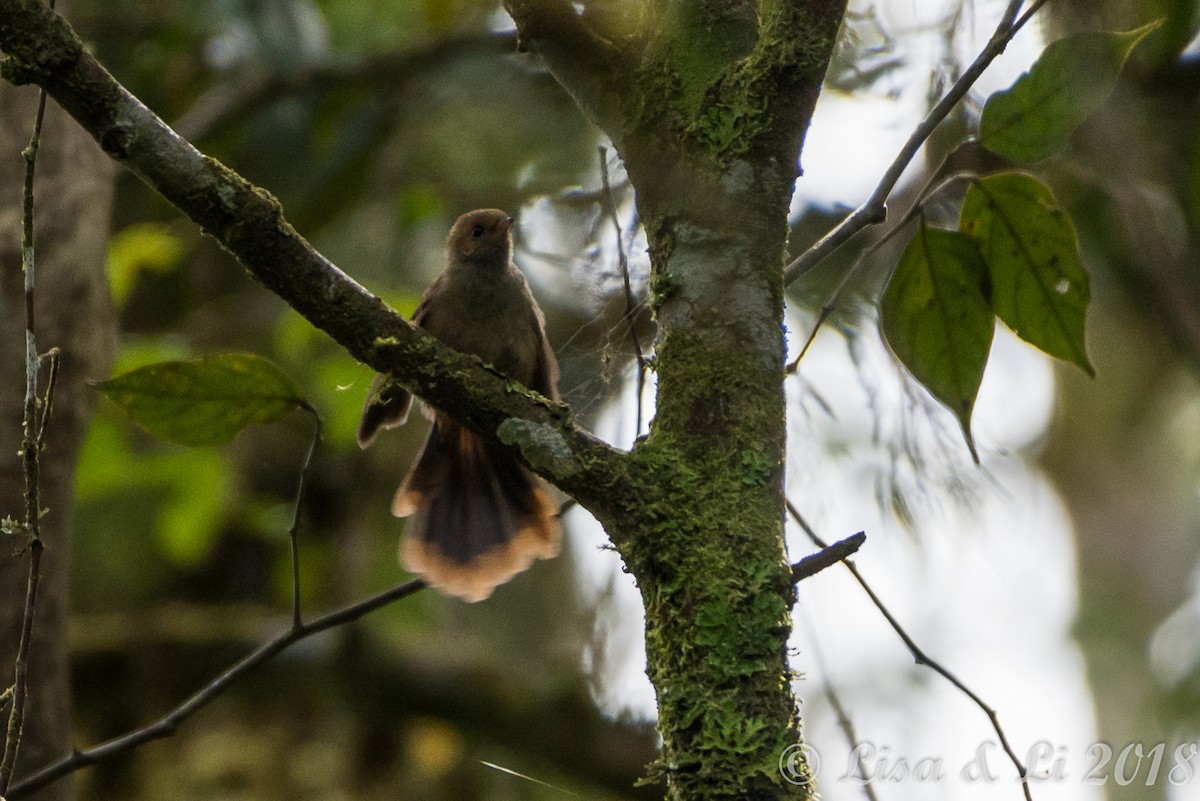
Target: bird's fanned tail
476	516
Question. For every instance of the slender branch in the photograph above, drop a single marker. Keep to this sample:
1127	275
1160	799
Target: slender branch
831	302
54	355
298	630
835	703
920	657
874	209
609	202
16	718
828	556
1010	13
32	427
249	222
167	724
847	727
294	529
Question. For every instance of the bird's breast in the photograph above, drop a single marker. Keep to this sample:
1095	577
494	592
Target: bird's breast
492	319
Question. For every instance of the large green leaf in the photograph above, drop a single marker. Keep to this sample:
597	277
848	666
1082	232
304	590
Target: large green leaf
1039	287
1067	84
936	319
204	402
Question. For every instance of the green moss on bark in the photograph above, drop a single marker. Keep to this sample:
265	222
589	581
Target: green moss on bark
717	591
707	549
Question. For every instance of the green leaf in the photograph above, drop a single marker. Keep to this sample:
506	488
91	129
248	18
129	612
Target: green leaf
204	402
936	319
1039	287
1070	80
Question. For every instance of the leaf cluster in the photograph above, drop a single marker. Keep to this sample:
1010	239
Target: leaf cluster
1015	254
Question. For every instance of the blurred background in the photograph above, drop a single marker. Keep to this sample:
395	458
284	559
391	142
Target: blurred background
1058	580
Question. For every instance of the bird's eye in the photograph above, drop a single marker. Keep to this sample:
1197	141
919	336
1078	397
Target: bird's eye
477	231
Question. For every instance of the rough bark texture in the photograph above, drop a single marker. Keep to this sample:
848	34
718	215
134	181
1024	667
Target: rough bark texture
73	195
707	102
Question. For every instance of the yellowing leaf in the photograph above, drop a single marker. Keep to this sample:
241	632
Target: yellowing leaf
204	402
137	248
1039	287
936	319
1073	77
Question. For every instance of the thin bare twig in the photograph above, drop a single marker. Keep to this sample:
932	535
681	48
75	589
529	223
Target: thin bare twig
630	306
167	724
54	354
835	703
831	302
1010	13
847	727
30	445
294	529
298	630
874	209
920	657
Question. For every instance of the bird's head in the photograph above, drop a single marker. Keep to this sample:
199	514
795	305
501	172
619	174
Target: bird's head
482	237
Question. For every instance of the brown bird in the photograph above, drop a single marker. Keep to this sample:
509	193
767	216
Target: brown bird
477	516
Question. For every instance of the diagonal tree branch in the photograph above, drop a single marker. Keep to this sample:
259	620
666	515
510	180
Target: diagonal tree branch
919	656
874	210
42	48
168	723
781	72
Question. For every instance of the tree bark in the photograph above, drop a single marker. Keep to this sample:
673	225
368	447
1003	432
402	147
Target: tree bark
73	189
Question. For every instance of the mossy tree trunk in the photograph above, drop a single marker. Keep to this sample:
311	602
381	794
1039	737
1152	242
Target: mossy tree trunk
707	102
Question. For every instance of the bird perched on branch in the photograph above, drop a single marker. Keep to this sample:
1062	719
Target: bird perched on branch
477	517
